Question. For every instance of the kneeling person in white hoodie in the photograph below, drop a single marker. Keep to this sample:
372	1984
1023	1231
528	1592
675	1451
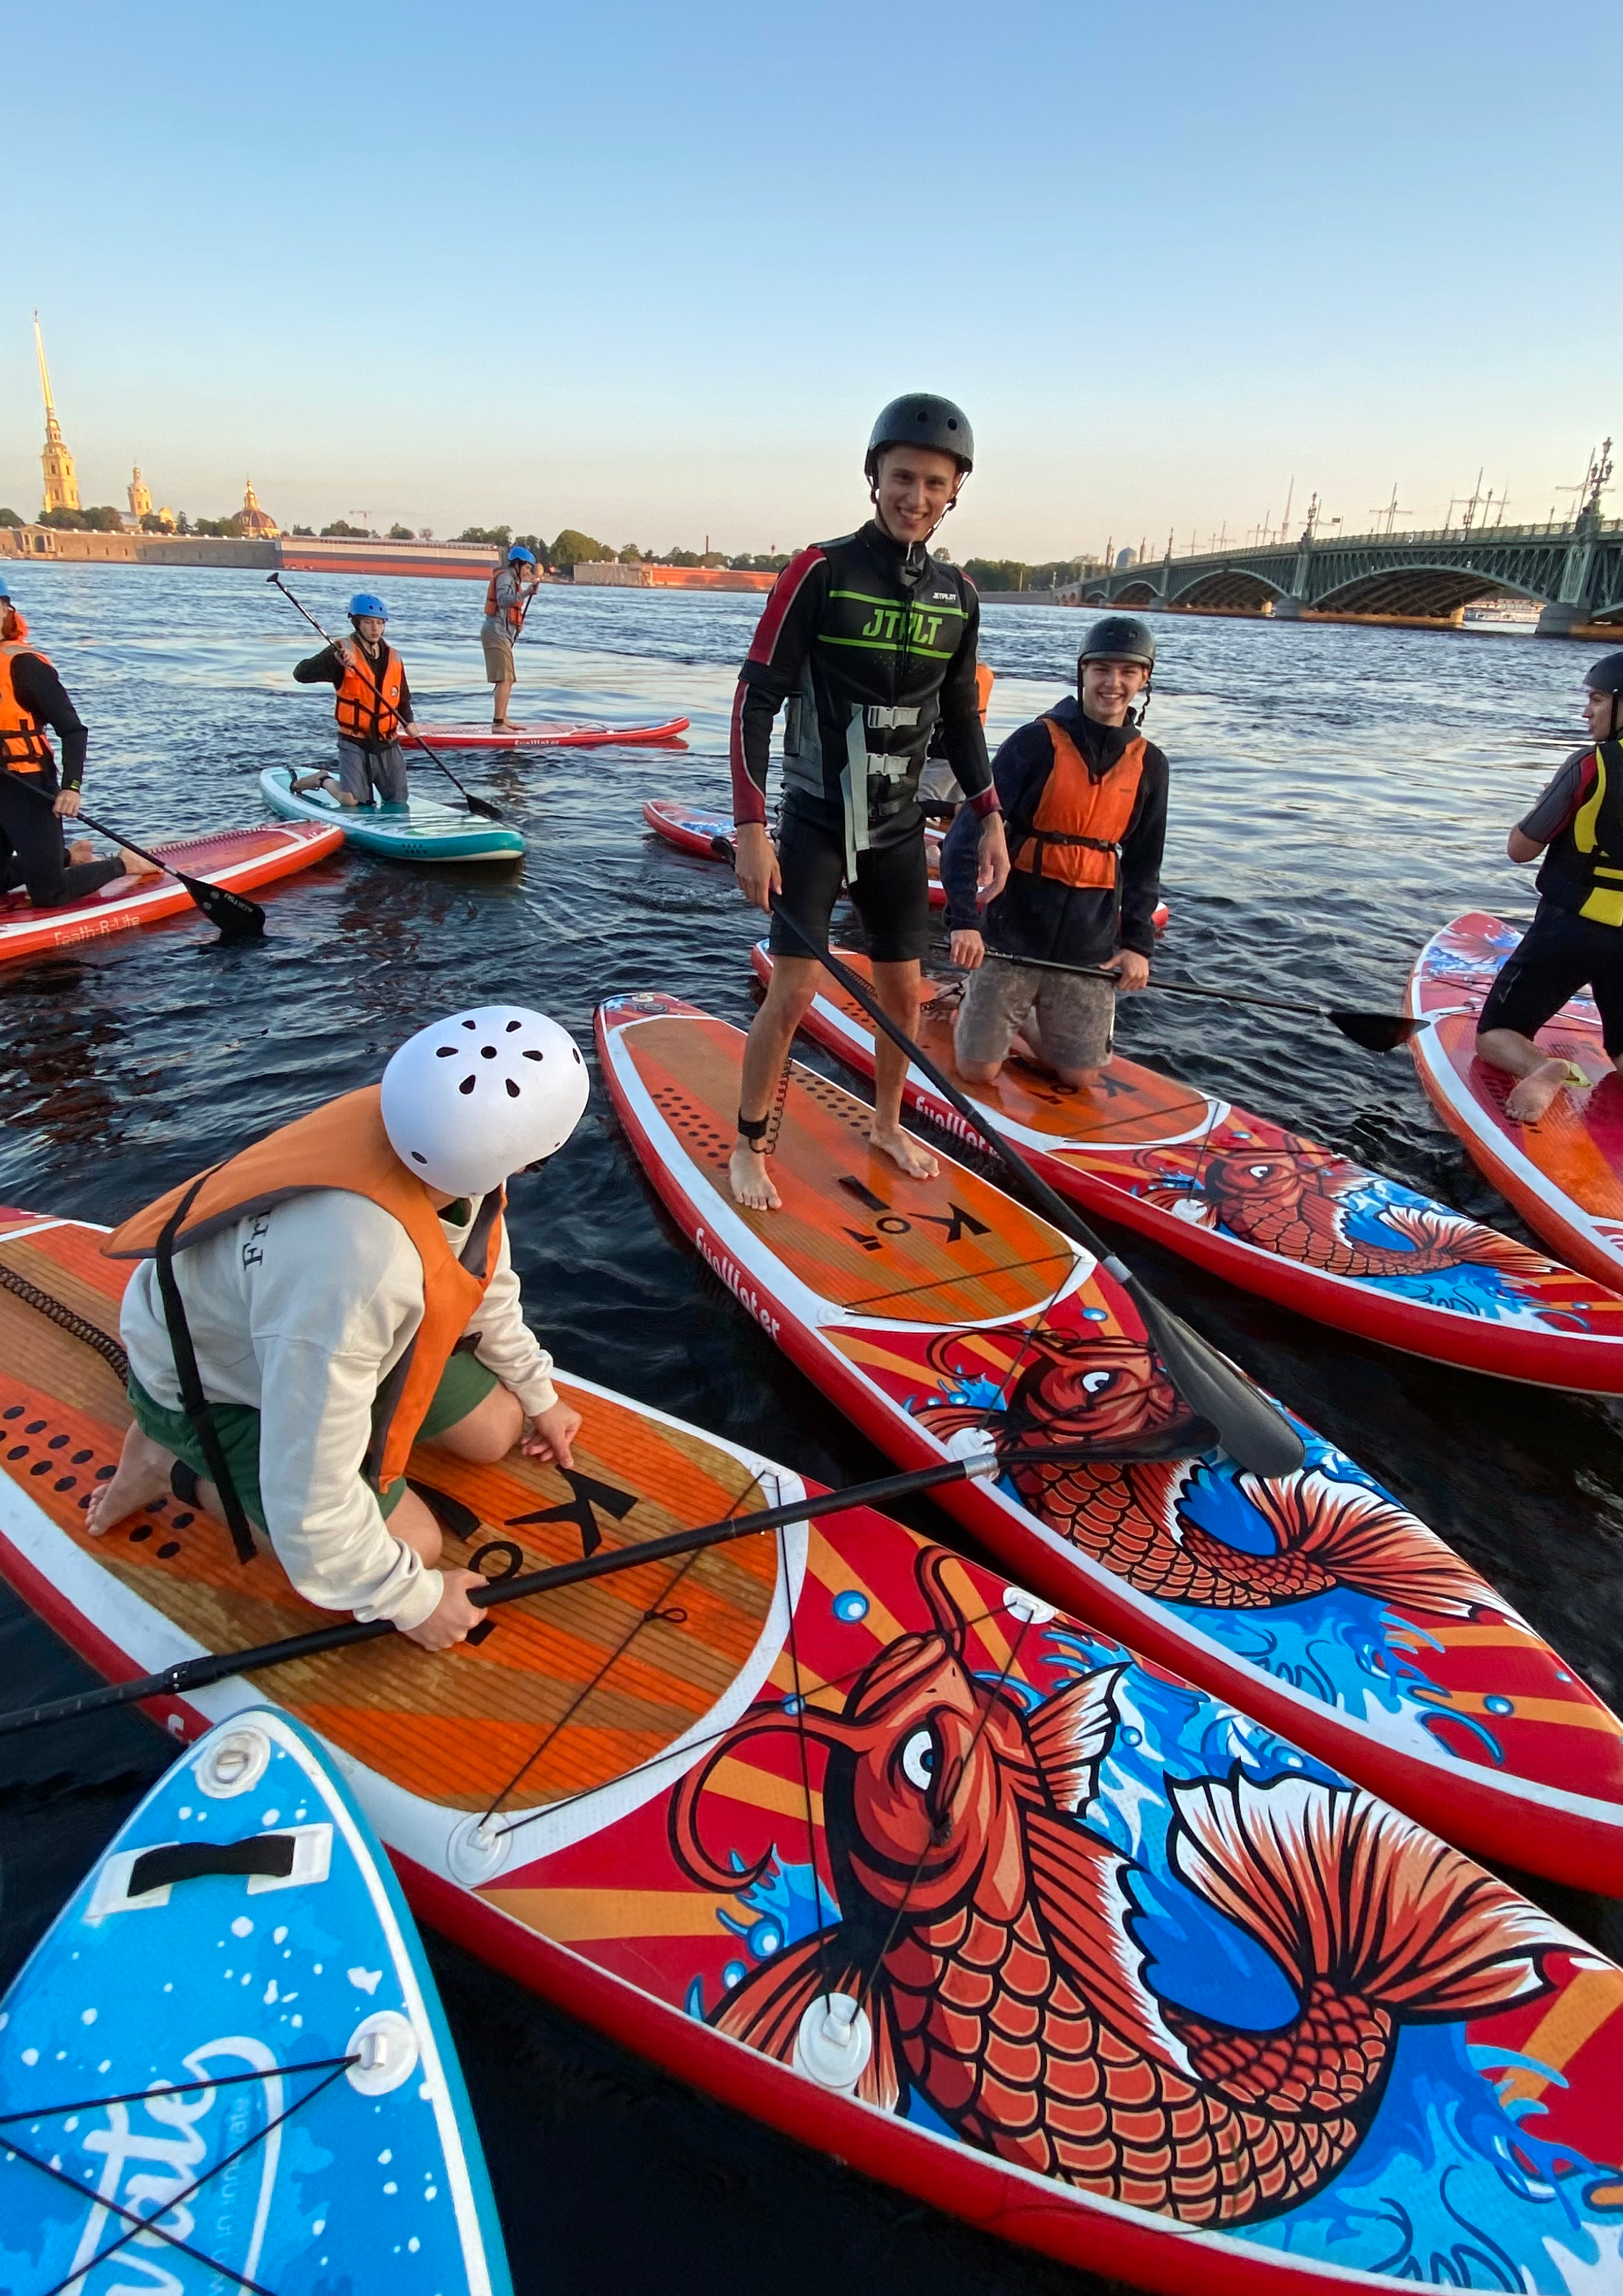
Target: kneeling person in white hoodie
306	1311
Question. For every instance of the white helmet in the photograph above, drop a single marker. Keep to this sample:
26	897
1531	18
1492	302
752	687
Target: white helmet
472	1098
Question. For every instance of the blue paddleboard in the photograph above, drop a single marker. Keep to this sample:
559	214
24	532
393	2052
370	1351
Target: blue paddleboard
423	830
226	2068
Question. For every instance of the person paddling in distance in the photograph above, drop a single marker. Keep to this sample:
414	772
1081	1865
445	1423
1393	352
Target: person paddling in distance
306	1311
1085	796
34	802
373	702
1576	938
507	596
872	643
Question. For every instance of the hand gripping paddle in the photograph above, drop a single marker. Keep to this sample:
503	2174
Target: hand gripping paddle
239	920
1249	1428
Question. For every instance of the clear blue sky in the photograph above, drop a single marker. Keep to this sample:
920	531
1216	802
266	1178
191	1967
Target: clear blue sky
651	269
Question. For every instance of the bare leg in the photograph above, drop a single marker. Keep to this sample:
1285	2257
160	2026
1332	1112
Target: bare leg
789	998
142	1476
410	1522
489	1431
498	704
896	986
1540	1076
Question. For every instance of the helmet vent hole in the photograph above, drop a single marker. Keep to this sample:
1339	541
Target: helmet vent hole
470	1024
487	1052
446	1053
466	1084
534	1056
512	1089
418	1157
511	1025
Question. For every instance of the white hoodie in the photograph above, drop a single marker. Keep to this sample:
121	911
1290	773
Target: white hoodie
302	1312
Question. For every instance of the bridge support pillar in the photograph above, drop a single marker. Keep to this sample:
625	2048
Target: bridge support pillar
1559	619
1288	608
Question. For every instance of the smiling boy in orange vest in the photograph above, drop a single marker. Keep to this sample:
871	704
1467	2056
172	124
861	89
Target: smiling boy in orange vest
1084	796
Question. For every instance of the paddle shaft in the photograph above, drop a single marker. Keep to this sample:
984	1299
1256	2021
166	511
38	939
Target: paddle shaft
237	917
218	1666
474	804
1250	1428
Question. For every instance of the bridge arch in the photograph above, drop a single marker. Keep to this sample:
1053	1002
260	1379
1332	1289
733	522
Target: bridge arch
1137	594
1229	585
1432	591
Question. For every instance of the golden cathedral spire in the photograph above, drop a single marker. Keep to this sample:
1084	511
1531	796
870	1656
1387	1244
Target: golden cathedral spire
62	481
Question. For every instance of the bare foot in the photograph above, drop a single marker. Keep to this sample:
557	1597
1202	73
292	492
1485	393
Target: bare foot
750	1181
1532	1094
914	1159
142	1476
136	866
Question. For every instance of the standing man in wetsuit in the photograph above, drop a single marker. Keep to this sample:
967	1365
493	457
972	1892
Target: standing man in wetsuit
1085	798
33	803
507	596
871	642
1576	938
373	702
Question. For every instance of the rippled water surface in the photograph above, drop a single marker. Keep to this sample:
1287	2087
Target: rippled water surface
1336	794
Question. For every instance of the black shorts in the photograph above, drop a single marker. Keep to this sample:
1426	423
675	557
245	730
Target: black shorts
890	894
1559	954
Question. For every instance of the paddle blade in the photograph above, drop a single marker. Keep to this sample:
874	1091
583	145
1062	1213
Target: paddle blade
1253	1430
1377	1032
722	849
239	921
485	812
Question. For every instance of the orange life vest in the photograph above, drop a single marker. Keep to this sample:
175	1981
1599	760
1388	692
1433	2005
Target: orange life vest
344	1145
23	747
1075	835
368	706
983	689
514	613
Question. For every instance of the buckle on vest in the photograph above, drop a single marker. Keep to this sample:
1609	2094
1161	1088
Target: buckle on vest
889	717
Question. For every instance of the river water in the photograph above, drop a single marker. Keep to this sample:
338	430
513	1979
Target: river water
1336	794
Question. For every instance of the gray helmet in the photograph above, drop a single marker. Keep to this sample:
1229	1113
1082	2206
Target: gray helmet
1607	674
920	419
1119	638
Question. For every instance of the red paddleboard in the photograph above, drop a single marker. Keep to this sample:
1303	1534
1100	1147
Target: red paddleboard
871	1844
1272	1212
237	859
547	734
933	1309
1564	1174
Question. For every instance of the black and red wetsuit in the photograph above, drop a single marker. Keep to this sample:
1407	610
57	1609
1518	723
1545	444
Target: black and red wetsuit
870	643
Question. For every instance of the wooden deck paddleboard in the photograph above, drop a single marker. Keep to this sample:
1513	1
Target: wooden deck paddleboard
226	2063
548	733
1272	1212
421	829
869	1842
240	859
928	1308
1564	1174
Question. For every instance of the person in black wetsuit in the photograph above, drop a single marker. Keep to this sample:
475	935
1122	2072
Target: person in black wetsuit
1576	938
33	803
1085	798
871	642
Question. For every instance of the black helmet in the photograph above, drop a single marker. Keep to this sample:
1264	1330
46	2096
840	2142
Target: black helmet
1119	638
920	419
1607	674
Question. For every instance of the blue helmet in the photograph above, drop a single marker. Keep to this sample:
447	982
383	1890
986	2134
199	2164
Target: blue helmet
5	590
367	602
519	556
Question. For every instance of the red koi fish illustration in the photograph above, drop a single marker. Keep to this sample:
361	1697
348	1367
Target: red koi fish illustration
1132	1513
1292	1202
988	1935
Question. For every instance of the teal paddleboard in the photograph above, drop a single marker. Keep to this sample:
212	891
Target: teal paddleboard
423	830
224	2067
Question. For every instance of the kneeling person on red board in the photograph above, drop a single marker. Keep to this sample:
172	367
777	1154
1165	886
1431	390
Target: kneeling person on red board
342	1290
373	702
1085	796
1576	938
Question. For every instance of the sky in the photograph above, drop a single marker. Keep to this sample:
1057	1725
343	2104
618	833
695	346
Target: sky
651	270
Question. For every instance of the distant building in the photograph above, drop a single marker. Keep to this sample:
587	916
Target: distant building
62	480
257	524
1125	558
140	497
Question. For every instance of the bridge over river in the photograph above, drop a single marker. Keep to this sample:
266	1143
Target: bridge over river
1574	572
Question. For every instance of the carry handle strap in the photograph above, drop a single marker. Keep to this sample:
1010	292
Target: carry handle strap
196	1405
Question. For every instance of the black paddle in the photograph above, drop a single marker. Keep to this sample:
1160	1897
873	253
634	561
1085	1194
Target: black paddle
479	805
1377	1032
217	1666
1250	1429
239	920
